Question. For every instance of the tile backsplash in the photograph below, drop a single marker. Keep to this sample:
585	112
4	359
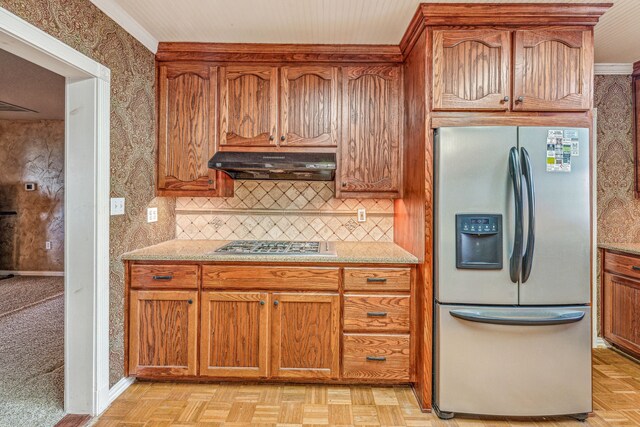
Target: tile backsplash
283	210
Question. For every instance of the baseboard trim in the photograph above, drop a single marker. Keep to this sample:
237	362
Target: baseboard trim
600	343
31	273
119	388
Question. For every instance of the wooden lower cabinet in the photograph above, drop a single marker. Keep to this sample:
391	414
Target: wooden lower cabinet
621	311
305	335
183	323
163	333
234	334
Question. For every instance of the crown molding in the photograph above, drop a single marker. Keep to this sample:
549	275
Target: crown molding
606	69
114	11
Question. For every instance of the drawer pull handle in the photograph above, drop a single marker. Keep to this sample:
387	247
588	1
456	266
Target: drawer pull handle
377	358
376	279
162	277
377	314
636	267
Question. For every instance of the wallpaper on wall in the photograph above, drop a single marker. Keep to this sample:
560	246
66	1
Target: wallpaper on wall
283	210
85	28
618	209
32	151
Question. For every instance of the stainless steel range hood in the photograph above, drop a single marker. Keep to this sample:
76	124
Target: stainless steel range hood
284	166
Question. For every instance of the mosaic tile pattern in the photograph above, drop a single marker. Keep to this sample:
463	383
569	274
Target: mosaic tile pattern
275	210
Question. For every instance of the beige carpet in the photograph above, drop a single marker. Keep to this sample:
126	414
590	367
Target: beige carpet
20	292
32	357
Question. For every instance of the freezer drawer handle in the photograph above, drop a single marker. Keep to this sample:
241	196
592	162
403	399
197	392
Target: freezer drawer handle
377	358
551	318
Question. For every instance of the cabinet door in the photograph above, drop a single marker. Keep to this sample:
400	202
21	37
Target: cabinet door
186	129
163	333
305	335
234	334
471	70
370	151
248	106
553	70
621	317
309	109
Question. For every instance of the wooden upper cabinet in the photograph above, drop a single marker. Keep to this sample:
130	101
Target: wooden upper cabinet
234	334
305	336
471	69
163	333
553	70
248	105
370	149
309	106
186	129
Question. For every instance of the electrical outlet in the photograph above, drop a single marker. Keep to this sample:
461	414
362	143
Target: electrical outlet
362	215
47	245
152	214
117	206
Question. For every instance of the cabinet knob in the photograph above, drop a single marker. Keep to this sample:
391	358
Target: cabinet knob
276	303
261	302
344	184
271	138
210	181
190	301
505	99
282	138
520	99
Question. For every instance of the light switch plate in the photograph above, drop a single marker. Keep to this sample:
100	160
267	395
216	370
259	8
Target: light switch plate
47	245
362	215
152	214
117	206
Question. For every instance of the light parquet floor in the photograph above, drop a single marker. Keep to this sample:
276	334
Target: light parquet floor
616	395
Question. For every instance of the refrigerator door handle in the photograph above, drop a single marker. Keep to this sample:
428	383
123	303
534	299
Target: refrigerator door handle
514	318
515	263
527	259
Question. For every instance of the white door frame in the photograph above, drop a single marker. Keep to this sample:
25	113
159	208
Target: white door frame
86	209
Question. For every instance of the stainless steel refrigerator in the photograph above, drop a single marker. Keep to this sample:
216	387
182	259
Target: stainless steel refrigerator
512	272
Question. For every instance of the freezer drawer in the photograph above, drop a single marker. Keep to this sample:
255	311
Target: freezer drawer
524	362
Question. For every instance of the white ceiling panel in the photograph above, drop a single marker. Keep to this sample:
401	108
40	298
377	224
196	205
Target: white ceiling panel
336	21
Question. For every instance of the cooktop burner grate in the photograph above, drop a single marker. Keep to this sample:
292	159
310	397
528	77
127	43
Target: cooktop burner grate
281	247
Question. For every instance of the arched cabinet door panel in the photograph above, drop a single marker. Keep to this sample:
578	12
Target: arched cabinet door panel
248	106
553	70
187	131
471	70
370	148
309	106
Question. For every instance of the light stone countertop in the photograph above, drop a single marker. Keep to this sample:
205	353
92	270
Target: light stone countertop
203	250
631	248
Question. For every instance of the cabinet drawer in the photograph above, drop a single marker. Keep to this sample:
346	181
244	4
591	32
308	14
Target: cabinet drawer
151	276
385	279
376	357
267	278
376	313
627	265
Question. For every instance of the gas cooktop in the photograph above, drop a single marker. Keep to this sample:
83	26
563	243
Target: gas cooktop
281	247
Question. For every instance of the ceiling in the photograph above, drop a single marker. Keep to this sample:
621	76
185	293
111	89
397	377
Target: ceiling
27	85
328	22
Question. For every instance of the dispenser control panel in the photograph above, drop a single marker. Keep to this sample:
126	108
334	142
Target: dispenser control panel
479	224
479	241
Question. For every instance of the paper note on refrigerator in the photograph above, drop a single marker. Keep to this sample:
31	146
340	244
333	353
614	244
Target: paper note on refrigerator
559	151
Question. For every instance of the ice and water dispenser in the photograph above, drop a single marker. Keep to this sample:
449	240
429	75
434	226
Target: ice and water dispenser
479	241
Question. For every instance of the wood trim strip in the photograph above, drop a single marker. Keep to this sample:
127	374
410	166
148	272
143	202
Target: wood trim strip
267	52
